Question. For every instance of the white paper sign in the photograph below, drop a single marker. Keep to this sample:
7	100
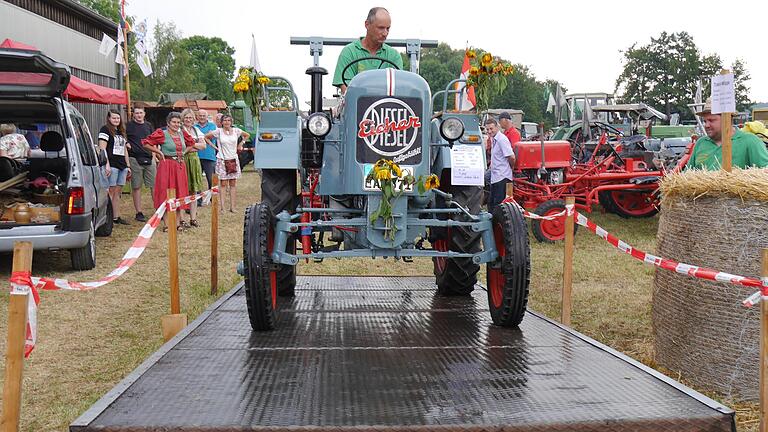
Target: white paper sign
723	94
467	165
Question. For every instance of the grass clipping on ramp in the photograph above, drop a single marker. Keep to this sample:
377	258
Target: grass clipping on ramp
718	220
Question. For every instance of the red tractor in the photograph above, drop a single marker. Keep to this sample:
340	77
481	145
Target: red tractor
620	173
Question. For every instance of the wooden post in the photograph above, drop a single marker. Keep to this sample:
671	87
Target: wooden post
173	323
764	349
215	239
726	126
14	349
567	302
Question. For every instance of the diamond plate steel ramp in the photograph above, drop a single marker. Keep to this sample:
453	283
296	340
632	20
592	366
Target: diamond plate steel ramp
383	354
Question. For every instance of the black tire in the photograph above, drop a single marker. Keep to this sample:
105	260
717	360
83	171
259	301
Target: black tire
604	197
84	258
550	231
260	295
105	230
278	190
510	275
458	276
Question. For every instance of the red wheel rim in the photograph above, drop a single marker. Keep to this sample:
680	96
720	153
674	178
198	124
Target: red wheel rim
495	277
553	229
442	246
634	203
272	274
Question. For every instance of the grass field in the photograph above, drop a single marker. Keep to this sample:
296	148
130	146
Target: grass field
89	341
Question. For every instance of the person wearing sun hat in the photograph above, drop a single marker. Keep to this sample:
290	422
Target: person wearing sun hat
746	149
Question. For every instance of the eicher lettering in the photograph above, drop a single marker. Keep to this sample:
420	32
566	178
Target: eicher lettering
389	127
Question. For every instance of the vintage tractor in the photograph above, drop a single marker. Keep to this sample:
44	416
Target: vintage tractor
621	173
320	200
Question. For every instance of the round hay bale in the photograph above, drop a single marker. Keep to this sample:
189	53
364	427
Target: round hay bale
701	330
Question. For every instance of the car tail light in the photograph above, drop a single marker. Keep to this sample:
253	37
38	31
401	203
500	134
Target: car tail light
76	201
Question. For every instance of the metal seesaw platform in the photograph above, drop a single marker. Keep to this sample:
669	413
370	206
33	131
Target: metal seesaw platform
384	354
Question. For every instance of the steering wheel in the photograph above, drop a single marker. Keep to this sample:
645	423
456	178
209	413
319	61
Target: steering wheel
609	128
344	79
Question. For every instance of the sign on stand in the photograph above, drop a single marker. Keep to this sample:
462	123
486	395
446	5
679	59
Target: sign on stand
467	167
723	94
724	102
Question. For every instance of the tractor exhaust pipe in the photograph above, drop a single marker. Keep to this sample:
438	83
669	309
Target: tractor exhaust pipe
316	101
542	170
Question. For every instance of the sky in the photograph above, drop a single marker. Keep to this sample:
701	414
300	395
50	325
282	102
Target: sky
579	43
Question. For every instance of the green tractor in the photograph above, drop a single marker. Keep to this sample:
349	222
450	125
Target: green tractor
243	119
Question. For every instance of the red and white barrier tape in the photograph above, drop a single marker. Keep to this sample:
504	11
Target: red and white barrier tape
667	264
23	282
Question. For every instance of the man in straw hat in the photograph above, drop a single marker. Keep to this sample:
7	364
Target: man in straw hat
747	150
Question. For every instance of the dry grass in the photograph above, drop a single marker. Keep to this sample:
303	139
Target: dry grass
89	341
751	183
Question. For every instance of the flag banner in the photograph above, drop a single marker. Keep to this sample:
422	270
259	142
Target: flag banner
465	100
254	55
550	102
142	58
107	45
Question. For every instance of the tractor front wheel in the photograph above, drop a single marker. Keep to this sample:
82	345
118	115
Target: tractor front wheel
260	274
509	276
633	203
458	276
278	190
550	231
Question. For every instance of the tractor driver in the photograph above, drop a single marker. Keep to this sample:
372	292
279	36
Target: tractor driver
747	150
372	45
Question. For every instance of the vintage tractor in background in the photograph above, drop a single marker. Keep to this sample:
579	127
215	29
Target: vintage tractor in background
320	199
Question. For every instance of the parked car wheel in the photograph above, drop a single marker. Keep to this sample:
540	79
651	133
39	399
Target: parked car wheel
84	258
105	230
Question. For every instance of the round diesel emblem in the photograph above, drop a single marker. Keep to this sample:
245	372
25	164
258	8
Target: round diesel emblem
389	127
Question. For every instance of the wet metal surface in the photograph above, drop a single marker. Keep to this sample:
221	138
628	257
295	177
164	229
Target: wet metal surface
384	353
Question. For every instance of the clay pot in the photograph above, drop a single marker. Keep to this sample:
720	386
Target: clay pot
22	214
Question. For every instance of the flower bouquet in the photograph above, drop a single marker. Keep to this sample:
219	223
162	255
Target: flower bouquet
249	86
392	180
488	75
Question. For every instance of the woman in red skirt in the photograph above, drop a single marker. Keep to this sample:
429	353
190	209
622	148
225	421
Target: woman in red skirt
168	144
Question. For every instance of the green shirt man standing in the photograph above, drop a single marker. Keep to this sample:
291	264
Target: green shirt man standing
747	150
372	45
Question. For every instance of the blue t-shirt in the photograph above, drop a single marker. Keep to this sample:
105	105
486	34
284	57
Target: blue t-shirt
209	153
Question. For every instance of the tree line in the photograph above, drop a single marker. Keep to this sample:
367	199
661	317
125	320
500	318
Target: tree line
662	73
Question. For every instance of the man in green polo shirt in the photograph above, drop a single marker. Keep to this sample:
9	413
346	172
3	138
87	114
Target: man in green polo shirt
372	45
747	150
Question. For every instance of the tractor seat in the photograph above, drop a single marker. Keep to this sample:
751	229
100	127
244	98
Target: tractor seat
49	157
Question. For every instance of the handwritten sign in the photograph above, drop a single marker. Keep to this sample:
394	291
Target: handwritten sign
467	165
723	94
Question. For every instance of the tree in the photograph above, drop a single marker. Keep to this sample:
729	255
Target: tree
171	64
212	63
665	73
740	78
106	8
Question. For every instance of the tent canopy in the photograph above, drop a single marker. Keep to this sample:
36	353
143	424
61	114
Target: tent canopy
78	89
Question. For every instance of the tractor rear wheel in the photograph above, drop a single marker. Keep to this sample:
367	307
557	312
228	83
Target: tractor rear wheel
550	231
633	204
458	276
510	275
278	190
604	197
260	274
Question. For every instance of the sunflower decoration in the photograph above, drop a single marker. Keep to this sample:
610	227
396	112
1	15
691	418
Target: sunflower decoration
249	86
392	180
488	75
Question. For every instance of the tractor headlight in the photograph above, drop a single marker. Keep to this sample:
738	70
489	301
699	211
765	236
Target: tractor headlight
452	129
319	124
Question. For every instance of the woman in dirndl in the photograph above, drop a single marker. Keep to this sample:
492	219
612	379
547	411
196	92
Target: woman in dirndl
169	144
192	161
227	163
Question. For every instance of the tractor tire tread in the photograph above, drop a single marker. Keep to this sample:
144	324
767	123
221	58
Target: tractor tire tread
515	267
257	263
278	189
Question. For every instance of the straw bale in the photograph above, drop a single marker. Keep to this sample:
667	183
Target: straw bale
701	330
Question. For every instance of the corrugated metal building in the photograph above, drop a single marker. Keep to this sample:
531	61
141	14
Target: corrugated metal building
70	33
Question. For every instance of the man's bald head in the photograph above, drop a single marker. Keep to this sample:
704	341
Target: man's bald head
202	116
377	25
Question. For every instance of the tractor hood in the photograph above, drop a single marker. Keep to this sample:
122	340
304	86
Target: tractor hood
31	74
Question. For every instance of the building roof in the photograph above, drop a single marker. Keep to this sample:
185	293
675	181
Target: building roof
201	104
171	98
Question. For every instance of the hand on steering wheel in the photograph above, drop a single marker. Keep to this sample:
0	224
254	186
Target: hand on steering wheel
345	80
